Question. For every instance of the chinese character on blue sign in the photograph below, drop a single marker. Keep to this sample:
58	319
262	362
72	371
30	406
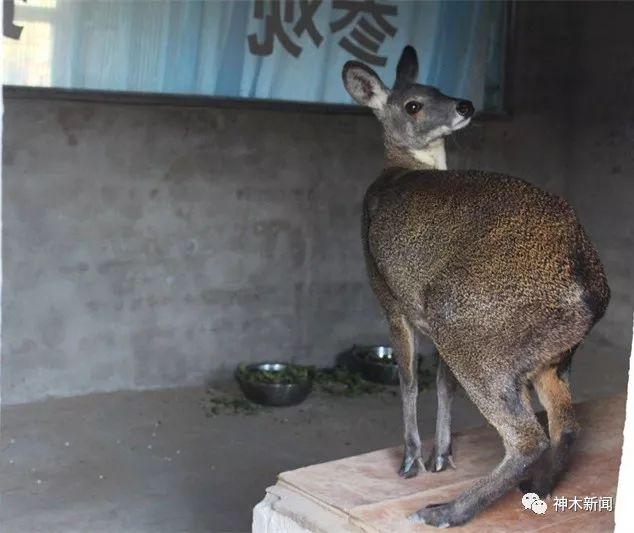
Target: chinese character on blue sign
368	18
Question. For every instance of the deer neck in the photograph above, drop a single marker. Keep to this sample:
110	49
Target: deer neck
431	156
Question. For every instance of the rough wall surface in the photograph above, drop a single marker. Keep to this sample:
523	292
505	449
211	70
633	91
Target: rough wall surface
152	246
600	177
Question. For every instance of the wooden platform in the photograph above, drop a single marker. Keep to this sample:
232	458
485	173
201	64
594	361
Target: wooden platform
364	493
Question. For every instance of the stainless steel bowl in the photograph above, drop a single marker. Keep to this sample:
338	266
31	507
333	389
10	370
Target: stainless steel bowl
376	363
274	394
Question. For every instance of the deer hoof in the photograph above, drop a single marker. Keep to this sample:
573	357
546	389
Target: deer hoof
439	515
439	462
411	466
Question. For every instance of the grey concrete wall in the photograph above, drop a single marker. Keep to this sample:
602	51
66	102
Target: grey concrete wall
153	246
600	172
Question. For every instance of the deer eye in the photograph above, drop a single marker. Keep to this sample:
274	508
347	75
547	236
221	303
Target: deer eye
413	107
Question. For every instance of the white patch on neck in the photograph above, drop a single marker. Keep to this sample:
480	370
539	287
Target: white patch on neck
433	155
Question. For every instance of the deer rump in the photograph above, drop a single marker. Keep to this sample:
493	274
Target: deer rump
480	250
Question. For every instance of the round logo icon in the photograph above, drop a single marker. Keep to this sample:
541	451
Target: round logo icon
539	507
528	499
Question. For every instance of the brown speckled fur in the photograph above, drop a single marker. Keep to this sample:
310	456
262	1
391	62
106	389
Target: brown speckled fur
499	274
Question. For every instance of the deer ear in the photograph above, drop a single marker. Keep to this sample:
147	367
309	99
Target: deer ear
364	85
407	68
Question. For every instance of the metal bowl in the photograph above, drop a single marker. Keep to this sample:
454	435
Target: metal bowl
376	363
274	394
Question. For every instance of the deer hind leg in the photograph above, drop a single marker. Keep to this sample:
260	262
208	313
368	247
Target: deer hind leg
503	400
403	342
441	456
553	390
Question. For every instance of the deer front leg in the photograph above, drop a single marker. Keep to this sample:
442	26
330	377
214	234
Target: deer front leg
441	456
403	343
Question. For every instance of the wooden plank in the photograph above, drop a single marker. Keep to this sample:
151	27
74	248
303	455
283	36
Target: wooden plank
367	490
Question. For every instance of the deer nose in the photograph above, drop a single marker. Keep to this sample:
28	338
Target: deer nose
465	108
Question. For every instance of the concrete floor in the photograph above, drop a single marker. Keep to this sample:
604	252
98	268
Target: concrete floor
153	462
166	467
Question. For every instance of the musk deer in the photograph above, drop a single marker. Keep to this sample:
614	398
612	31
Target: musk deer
499	274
